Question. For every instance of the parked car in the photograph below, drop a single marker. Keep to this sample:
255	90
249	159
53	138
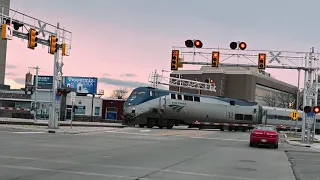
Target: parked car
264	134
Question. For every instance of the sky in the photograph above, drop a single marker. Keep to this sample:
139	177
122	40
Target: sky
122	41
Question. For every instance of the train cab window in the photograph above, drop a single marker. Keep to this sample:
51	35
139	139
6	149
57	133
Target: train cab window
280	117
317	120
173	96
300	119
232	103
248	117
197	99
155	94
179	96
188	98
287	118
238	116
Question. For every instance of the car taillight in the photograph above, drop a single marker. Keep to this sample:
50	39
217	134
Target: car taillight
257	133
271	134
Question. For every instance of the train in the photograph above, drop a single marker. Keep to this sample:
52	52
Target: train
150	107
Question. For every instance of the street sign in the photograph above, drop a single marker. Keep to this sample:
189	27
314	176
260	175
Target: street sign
7	32
310	114
73	97
275	57
294	115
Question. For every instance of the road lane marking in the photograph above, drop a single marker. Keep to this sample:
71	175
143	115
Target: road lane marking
29	132
208	175
65	171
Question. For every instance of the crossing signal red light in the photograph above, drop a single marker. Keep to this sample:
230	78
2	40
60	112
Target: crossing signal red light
174	60
262	61
242	45
198	44
215	59
307	109
211	81
233	45
189	43
316	109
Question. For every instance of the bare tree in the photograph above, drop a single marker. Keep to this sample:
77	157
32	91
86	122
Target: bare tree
119	93
270	99
284	100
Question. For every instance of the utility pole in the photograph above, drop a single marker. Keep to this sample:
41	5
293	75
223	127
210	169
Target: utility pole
35	92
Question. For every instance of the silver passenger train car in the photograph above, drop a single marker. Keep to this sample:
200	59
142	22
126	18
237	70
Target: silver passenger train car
151	107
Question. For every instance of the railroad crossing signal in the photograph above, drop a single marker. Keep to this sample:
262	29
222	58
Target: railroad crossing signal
239	45
262	61
175	60
307	109
215	59
193	43
316	109
53	44
294	115
32	38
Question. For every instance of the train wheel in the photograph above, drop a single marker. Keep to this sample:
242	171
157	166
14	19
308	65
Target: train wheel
141	125
160	127
169	126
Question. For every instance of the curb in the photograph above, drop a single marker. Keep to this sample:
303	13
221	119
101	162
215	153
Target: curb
294	143
45	124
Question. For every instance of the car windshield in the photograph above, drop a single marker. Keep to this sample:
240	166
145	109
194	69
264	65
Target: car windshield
268	128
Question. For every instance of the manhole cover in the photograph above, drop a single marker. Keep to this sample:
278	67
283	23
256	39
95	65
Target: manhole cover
247	161
245	169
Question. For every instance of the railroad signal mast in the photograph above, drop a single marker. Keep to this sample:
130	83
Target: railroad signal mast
12	27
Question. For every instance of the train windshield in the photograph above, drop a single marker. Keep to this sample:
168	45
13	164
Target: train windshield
135	97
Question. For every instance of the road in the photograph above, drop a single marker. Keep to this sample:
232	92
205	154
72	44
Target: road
134	153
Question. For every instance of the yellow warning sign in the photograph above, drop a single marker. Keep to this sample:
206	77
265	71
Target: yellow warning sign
294	115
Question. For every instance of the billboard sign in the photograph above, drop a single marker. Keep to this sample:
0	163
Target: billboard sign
86	85
44	82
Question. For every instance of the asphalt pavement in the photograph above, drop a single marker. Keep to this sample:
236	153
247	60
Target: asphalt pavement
135	153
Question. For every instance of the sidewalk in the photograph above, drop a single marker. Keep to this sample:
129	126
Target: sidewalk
19	121
26	129
295	141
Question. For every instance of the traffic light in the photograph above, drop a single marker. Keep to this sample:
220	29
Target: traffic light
235	45
215	59
193	43
174	59
316	109
262	61
53	44
211	81
32	38
307	109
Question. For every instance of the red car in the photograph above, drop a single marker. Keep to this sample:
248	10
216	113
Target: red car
262	134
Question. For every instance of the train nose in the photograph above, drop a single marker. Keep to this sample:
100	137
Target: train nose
130	111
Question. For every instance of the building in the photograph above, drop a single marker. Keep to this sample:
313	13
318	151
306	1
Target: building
236	82
3	45
112	109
